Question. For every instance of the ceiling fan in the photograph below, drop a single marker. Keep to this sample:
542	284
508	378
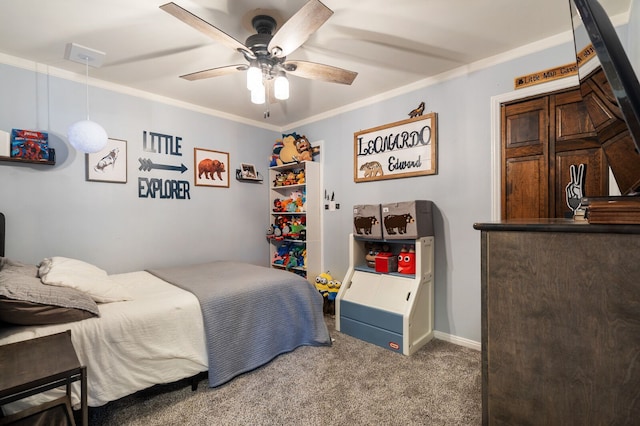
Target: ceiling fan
266	52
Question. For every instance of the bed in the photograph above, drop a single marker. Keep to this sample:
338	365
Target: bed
223	318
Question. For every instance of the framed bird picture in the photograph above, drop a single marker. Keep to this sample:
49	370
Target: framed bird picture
108	165
402	149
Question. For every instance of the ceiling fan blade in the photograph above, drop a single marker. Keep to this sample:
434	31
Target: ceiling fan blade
298	28
321	72
204	27
214	72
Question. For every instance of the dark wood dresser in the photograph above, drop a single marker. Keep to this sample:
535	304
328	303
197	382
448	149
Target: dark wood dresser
560	323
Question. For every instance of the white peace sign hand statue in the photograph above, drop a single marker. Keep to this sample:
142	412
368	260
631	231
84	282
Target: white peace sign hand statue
574	188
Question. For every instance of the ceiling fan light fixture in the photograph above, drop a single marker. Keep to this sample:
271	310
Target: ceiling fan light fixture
258	96
254	75
281	87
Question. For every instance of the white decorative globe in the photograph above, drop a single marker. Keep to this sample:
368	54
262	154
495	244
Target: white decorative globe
87	136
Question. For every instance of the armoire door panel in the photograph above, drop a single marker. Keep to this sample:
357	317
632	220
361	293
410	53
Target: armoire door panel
525	188
541	138
525	124
572	119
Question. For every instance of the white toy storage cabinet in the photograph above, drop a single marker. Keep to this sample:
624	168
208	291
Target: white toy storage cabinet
309	215
391	310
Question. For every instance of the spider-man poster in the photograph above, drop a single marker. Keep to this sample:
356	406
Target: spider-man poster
30	145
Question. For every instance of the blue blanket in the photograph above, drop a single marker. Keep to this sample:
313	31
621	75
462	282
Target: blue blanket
251	313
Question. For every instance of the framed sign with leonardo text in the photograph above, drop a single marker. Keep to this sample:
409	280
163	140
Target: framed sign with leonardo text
402	149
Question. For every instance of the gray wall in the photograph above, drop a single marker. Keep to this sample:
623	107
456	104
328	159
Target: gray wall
460	191
54	211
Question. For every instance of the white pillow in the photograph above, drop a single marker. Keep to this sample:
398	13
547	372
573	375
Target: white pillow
65	272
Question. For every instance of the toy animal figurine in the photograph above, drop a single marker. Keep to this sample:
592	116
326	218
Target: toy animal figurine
418	111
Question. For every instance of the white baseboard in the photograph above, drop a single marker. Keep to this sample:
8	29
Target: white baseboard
471	344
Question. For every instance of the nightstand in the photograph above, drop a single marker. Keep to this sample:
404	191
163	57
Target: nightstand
37	365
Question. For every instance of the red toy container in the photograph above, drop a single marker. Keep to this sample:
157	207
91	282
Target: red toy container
386	262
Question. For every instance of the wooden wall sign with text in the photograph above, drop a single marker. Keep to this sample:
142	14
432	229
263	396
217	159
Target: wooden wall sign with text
402	149
555	73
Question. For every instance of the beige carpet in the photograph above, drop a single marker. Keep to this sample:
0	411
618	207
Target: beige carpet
350	383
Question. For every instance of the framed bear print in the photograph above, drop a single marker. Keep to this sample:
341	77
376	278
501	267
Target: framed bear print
211	168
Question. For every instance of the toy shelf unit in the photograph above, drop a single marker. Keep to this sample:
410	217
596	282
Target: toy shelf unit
392	310
386	297
294	229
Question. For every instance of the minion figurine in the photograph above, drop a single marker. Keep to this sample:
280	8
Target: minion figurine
322	284
334	288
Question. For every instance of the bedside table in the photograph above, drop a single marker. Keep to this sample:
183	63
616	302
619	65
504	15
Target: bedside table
37	365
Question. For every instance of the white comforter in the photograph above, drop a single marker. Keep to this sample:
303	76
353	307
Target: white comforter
158	337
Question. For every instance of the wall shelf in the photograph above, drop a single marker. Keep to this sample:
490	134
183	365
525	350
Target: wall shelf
240	178
50	162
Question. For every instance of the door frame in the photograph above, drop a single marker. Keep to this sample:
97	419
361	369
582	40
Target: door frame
496	134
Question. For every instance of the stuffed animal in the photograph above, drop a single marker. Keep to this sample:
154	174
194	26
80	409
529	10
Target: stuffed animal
372	251
333	289
305	151
275	153
407	261
300	177
288	152
290	178
322	284
279	180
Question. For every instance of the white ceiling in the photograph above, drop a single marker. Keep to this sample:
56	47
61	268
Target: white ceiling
390	44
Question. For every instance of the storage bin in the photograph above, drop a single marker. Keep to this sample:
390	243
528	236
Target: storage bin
366	221
386	262
407	219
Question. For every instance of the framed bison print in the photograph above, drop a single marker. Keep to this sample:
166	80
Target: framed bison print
211	168
402	149
108	165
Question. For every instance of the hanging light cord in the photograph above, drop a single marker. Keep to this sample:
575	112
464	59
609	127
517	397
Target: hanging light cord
86	82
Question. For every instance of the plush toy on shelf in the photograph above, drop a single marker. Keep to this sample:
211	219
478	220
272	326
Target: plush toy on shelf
372	251
273	232
281	256
288	152
305	150
275	153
